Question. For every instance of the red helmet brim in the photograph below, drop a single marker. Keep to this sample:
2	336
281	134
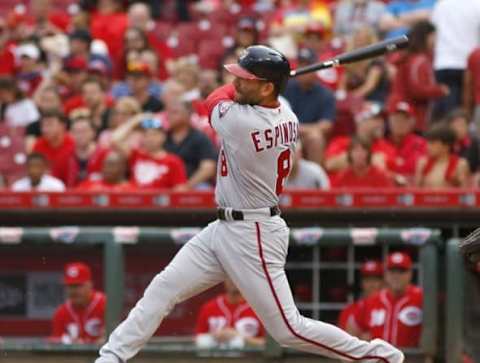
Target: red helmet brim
240	72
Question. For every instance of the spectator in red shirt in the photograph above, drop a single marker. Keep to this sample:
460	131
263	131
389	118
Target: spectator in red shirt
371	282
409	146
151	167
80	41
395	313
71	80
113	176
471	91
441	167
81	319
7	57
55	143
414	80
227	321
370	126
360	172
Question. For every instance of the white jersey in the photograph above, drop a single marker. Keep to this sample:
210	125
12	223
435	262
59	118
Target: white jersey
257	145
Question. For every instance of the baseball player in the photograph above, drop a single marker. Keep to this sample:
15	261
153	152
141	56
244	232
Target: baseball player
395	313
227	321
249	240
372	282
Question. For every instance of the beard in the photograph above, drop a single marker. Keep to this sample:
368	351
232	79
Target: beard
246	100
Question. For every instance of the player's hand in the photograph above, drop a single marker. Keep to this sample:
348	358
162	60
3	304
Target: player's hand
225	335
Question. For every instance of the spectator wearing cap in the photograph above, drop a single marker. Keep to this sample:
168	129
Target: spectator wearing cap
316	37
55	143
414	81
191	145
314	106
441	167
113	176
150	165
467	144
16	109
371	273
400	15
29	73
370	126
458	24
140	17
81	319
409	147
351	15
246	34
138	78
71	81
361	173
395	313
37	178
306	174
367	79
79	41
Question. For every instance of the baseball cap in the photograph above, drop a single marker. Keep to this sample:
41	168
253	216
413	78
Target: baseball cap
315	28
402	106
98	66
372	268
77	273
28	50
136	67
75	64
307	55
247	23
399	260
368	111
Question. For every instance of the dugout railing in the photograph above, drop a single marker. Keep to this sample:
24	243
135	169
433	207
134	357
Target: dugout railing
308	245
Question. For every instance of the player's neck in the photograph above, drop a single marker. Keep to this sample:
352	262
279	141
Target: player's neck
270	103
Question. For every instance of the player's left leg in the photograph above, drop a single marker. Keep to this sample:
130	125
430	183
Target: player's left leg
253	255
194	269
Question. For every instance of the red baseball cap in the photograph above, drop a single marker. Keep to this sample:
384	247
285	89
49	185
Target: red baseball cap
399	260
77	273
402	106
372	268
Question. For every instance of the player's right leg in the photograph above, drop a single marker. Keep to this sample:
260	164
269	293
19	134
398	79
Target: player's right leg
194	269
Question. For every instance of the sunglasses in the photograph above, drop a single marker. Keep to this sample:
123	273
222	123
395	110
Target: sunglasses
152	123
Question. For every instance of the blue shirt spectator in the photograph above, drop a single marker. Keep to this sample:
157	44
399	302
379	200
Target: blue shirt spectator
311	104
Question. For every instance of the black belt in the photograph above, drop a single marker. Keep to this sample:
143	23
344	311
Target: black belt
237	215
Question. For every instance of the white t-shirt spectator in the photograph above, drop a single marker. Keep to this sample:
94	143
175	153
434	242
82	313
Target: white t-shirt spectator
458	32
48	183
21	113
351	15
309	176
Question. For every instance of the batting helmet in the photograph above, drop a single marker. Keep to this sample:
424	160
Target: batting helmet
259	62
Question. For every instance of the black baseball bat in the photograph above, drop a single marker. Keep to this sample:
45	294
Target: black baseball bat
356	55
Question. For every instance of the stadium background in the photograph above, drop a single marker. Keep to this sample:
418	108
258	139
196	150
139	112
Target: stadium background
333	231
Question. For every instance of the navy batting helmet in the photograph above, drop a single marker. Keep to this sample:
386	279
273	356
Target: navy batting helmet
259	62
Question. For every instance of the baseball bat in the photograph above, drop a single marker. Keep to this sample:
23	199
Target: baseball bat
356	55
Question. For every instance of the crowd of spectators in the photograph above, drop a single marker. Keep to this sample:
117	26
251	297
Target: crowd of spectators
109	94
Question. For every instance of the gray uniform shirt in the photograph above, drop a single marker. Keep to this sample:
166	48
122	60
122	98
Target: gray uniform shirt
257	145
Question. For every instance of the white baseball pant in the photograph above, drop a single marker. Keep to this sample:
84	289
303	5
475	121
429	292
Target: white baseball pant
252	254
